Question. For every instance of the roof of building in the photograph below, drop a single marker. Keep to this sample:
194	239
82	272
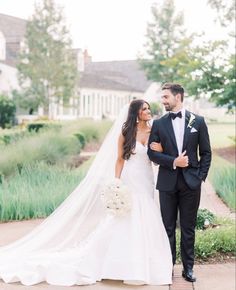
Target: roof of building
12	27
119	75
99	82
123	75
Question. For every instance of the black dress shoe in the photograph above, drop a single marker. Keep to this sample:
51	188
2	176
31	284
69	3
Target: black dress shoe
188	275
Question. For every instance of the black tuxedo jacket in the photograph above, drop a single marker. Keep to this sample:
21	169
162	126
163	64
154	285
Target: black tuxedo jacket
196	143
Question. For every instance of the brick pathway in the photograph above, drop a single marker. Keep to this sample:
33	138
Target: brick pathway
178	282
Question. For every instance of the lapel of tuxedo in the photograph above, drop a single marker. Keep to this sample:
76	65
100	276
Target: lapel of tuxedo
186	129
169	128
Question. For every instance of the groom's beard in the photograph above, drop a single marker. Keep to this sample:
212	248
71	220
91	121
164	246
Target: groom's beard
169	108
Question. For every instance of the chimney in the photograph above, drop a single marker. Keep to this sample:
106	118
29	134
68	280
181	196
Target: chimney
80	60
87	57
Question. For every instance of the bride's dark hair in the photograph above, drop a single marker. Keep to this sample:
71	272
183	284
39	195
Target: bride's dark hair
129	128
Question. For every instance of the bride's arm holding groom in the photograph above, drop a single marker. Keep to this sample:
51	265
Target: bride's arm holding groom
157	156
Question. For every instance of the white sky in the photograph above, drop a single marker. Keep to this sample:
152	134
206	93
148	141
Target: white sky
115	29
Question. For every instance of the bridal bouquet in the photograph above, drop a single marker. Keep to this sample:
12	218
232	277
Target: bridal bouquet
116	197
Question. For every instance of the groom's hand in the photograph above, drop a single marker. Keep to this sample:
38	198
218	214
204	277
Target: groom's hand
181	160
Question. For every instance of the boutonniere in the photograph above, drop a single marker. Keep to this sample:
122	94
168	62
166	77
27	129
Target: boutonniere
191	120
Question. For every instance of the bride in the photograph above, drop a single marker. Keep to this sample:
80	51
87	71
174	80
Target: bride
81	242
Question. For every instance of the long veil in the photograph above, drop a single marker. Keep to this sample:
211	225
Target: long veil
77	217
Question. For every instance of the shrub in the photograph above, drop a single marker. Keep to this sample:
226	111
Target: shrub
214	241
80	136
5	139
91	133
222	176
7	112
47	146
38	126
12	137
37	191
92	130
35	126
204	218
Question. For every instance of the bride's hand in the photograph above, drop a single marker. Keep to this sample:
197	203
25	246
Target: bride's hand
156	147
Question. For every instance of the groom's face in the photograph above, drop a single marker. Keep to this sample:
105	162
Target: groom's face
169	100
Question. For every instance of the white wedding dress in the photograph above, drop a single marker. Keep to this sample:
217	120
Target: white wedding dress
133	248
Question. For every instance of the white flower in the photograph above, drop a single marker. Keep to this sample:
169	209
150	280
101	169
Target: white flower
116	197
191	120
206	223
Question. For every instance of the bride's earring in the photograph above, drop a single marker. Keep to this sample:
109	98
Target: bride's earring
137	121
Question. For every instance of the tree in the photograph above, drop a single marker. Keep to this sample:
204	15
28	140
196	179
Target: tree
212	73
225	11
228	96
156	108
206	69
218	75
7	112
47	69
166	43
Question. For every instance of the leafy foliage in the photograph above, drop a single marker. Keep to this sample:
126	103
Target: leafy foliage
222	176
213	241
205	69
47	69
7	111
82	139
165	44
225	10
156	108
204	218
37	190
212	73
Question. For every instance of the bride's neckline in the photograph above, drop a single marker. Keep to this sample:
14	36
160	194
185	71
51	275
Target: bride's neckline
142	143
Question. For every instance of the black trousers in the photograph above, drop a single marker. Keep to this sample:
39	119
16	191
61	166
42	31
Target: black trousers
185	200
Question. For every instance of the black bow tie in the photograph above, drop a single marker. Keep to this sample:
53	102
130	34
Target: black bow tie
175	115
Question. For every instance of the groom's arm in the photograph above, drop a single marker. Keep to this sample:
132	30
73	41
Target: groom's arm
204	150
158	157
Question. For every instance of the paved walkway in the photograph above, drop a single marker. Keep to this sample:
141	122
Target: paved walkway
209	277
211	201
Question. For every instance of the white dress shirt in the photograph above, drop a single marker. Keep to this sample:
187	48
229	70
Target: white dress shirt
178	126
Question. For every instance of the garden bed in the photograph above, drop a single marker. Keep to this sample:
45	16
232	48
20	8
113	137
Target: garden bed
218	258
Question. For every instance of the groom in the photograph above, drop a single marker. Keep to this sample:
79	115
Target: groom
183	136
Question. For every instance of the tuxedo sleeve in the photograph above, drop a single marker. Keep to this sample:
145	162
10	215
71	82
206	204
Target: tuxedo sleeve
158	157
204	150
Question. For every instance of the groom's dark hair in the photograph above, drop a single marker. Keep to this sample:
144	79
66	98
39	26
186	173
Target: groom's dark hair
175	89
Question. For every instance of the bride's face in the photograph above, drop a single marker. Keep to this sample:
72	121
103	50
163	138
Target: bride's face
145	113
